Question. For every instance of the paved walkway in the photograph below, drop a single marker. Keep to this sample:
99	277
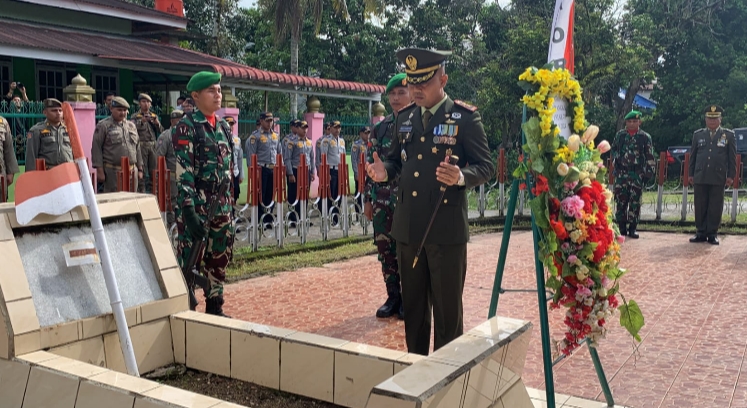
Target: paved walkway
694	340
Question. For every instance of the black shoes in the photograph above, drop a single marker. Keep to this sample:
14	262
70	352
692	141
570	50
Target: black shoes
214	306
698	238
713	240
632	232
391	307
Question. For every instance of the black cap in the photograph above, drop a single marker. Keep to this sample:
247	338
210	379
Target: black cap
259	122
265	115
335	124
302	124
421	65
365	129
714	111
294	122
230	120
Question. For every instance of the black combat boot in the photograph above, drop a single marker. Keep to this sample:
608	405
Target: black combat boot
392	304
623	229
214	306
631	231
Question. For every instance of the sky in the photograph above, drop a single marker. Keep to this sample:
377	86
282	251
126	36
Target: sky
247	3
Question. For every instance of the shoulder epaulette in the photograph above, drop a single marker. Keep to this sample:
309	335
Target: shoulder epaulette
407	107
465	105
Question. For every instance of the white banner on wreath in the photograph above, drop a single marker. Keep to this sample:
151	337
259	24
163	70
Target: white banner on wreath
561	55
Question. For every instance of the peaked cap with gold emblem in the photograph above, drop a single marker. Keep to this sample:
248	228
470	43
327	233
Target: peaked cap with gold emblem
421	65
714	111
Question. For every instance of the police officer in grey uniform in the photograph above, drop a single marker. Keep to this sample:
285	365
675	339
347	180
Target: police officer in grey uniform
49	140
148	129
359	147
116	137
294	147
238	164
165	148
332	146
8	162
713	165
265	143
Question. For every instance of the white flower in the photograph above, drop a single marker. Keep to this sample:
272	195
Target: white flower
562	169
591	133
574	142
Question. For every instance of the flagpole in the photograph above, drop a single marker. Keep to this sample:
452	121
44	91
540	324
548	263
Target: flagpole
101	245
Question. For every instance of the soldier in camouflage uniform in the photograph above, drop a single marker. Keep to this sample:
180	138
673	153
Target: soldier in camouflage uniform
8	163
381	199
116	137
359	147
148	129
633	167
165	148
204	161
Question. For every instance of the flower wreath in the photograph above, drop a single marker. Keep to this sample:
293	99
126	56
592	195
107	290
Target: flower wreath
580	245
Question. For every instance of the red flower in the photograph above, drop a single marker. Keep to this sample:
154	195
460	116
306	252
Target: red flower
521	158
559	229
554	205
523	186
540	185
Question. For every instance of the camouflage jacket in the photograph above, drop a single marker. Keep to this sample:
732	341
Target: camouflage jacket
380	142
633	156
201	169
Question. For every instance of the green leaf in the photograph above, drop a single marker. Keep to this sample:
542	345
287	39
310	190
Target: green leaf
538	166
613	290
631	318
552	239
616	273
567	270
537	204
527	86
554	283
533	132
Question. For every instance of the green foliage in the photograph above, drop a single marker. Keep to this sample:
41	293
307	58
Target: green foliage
631	318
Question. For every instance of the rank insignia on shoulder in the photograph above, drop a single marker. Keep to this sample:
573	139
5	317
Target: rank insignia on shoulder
408	106
465	105
456	115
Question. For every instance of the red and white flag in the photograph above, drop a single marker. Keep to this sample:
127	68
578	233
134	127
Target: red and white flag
53	192
561	52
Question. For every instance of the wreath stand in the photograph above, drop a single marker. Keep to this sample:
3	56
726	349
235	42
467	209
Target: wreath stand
541	291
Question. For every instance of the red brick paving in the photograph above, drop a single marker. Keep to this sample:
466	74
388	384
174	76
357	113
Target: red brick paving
694	341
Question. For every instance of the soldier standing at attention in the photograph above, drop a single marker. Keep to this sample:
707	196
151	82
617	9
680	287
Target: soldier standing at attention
358	148
8	162
203	162
633	166
238	163
713	164
165	148
333	145
381	199
116	137
49	140
294	148
318	150
286	149
148	128
427	133
265	143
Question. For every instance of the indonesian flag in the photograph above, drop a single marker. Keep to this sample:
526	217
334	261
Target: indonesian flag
53	192
561	52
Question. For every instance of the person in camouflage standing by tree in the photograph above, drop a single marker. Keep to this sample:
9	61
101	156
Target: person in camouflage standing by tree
203	150
633	166
380	199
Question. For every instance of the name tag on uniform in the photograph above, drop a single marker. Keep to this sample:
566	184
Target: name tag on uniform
721	142
701	142
405	129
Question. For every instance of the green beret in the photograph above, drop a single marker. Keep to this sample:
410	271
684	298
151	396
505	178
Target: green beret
633	115
397	80
202	80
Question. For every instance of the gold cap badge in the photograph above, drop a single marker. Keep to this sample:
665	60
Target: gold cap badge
713	108
411	62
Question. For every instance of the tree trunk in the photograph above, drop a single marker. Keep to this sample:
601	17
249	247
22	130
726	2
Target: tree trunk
627	104
294	71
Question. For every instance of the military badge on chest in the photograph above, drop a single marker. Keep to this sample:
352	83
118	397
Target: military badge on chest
445	134
405	135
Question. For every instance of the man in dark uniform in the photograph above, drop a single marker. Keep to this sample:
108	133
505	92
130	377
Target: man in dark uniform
427	133
634	166
148	129
713	164
381	199
265	143
49	140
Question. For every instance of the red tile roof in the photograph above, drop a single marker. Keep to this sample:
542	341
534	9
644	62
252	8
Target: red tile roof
131	49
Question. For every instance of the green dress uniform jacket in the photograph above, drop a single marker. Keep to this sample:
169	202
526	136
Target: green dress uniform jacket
713	158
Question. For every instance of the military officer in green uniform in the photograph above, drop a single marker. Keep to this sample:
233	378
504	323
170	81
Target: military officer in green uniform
148	129
633	166
49	140
204	153
116	137
713	165
8	162
165	148
427	133
381	198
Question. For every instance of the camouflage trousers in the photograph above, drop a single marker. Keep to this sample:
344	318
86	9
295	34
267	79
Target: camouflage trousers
218	251
628	193
383	213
